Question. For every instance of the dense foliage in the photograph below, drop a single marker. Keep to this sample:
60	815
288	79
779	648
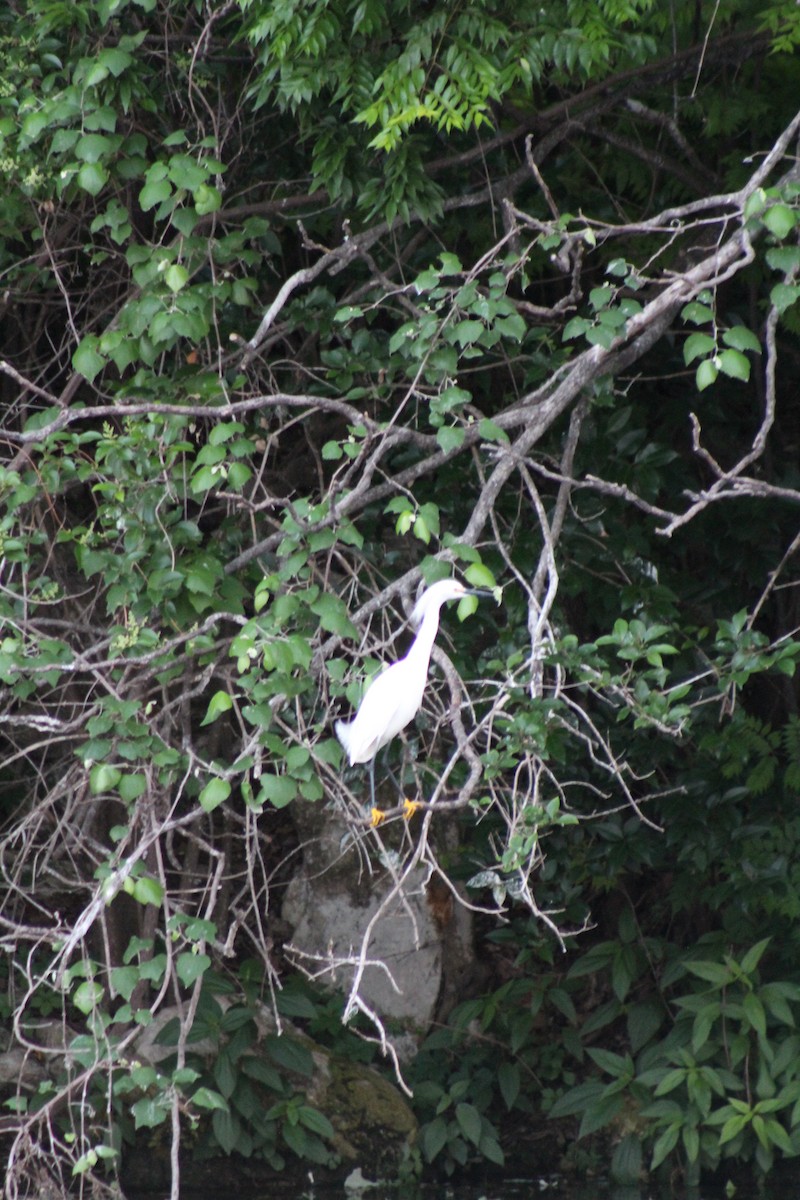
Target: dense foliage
305	301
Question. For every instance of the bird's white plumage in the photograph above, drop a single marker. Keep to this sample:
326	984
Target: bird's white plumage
393	698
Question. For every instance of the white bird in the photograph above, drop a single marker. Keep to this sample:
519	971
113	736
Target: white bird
394	697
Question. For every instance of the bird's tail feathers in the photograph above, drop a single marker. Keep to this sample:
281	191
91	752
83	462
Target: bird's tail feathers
343	733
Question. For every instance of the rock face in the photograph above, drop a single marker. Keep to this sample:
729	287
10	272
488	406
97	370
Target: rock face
375	1128
418	941
404	974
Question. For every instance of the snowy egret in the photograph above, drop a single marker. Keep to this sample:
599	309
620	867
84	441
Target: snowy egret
394	697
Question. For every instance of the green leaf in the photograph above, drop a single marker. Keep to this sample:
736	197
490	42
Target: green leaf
147	890
511	326
601	335
753	956
207	199
220	702
712	972
451	263
780	220
670	1080
316	1121
697	345
575	328
691	1142
664	1145
739	337
92	178
176	277
86	360
617	1065
296	1139
697	313
783	258
601	1113
103	778
754	1011
469	1122
599	297
644	1021
332	612
131	787
509	1082
204	479
777	1004
124	980
277	790
733	1127
296	758
561	1000
150	1112
492	432
703	1024
433	1138
87	996
206	1097
213	794
154	193
257	1069
33	124
290	1054
478	575
784	295
777	1136
626	1164
116	60
489	1147
91	147
190	967
467	332
756	203
577	1099
706	374
224	1073
734	364
449	437
226	1130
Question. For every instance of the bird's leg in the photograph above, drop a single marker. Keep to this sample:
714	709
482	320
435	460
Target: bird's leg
376	815
388	770
409	806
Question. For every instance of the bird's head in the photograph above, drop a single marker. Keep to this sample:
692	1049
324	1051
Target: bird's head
438	594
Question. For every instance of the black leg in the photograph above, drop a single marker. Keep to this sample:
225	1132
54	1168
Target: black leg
372	780
388	771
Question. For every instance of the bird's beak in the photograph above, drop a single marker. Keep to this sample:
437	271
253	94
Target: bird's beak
494	594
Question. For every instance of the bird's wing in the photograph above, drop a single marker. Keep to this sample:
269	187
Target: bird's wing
389	703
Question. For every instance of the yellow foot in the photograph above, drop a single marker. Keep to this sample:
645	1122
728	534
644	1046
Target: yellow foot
409	808
377	817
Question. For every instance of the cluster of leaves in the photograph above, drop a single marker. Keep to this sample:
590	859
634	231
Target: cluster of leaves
720	1083
251	1099
390	79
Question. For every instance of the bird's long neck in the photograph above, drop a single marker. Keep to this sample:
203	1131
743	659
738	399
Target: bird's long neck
420	652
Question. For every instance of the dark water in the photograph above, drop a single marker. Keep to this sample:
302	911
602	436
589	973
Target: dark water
782	1184
510	1189
542	1188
